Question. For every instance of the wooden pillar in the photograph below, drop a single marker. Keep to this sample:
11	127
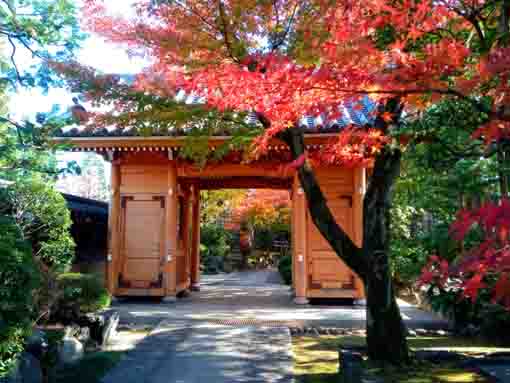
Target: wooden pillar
186	238
195	241
170	277
300	245
113	260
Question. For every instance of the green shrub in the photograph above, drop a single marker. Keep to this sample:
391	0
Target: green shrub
41	214
285	268
18	278
85	291
214	246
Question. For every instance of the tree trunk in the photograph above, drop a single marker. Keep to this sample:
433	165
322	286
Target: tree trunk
386	333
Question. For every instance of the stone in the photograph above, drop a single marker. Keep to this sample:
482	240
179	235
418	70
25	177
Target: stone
470	330
184	294
70	350
350	366
110	329
30	369
315	332
27	370
421	332
37	343
301	301
169	299
437	356
95	323
83	335
441	333
412	333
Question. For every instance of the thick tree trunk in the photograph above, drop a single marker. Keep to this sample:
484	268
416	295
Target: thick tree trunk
386	333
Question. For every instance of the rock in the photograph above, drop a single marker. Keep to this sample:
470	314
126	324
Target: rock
412	333
421	331
30	369
95	323
350	365
470	330
110	329
184	294
83	335
37	343
70	350
315	332
441	333
437	356
27	370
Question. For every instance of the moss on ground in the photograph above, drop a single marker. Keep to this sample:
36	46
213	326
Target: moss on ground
316	359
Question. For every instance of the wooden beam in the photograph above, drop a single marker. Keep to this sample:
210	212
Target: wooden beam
113	260
300	243
170	277
195	241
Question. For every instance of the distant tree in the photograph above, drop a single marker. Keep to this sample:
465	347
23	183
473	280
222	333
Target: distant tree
90	183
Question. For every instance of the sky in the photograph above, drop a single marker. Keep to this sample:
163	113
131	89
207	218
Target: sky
95	52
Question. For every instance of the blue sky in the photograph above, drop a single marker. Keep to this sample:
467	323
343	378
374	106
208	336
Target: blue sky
106	57
95	52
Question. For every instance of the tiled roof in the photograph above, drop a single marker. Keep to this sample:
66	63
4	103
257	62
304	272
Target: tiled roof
358	113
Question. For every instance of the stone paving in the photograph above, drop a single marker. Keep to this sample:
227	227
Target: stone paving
248	296
191	343
190	352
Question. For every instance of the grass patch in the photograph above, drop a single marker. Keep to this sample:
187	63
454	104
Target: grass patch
316	359
90	369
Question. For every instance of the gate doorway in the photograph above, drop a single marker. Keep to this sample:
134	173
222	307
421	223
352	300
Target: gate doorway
154	220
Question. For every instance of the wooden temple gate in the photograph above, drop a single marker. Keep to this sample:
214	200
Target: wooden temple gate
154	220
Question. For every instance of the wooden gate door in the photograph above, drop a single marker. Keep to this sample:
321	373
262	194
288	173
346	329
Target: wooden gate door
143	225
326	269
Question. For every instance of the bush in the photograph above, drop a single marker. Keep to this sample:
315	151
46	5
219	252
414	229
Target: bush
84	292
43	218
18	278
285	268
493	320
214	247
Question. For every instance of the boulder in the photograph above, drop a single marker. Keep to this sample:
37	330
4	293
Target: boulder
37	343
109	331
28	370
350	366
95	323
70	350
83	335
411	333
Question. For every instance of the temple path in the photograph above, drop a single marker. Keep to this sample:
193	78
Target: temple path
235	330
256	296
183	352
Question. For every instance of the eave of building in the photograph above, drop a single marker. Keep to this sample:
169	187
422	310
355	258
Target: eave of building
106	144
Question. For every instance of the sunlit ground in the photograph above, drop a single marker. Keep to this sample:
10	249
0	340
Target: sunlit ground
316	359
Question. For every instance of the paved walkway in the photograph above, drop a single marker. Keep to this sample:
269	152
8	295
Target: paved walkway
234	331
187	352
259	297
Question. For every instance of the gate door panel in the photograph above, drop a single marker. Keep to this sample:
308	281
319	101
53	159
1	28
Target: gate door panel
327	270
143	239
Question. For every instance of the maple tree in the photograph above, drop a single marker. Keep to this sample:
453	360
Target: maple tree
262	207
288	58
484	265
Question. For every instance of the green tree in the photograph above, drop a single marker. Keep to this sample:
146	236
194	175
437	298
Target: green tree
34	220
